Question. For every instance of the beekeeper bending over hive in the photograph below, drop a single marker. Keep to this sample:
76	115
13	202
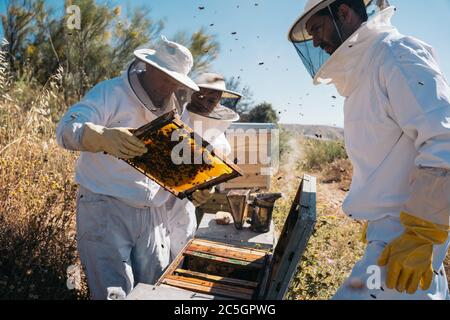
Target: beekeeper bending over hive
397	135
126	228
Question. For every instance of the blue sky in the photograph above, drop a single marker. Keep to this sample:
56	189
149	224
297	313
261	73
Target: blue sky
262	37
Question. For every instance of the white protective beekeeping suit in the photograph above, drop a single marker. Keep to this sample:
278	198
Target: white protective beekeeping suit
140	227
108	184
397	131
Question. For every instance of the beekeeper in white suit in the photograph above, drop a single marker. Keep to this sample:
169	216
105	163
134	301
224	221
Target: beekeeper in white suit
397	135
127	226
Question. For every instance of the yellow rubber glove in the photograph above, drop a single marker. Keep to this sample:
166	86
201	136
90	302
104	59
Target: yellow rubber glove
409	257
118	142
200	197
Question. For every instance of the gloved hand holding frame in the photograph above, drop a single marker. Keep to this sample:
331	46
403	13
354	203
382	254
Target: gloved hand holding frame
178	159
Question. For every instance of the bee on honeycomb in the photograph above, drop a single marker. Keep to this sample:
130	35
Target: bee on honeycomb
157	162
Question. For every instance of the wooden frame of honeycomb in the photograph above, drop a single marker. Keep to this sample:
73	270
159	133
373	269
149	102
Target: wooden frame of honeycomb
180	179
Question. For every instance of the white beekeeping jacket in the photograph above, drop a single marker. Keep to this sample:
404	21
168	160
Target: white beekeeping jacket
397	114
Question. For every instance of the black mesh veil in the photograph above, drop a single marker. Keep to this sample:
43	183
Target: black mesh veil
314	57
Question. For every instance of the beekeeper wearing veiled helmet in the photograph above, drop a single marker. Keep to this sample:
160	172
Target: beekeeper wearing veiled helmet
397	135
125	233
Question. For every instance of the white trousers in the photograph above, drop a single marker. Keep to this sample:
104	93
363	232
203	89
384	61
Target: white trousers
368	281
121	246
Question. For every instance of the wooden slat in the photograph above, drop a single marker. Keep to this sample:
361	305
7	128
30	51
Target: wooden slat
254	264
214	207
225	253
250	178
249	146
249	181
248	140
253	251
209	287
176	263
250	157
242	147
217	279
252	168
218	202
246	137
219	197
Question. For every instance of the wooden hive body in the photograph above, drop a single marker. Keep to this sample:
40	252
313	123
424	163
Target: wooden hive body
251	145
230	270
218	269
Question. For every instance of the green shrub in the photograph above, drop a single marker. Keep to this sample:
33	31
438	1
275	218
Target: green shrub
319	154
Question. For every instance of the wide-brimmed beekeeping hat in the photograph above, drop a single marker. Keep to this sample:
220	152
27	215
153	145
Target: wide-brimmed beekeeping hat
171	58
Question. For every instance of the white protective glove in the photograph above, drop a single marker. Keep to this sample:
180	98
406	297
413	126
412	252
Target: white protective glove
118	142
200	197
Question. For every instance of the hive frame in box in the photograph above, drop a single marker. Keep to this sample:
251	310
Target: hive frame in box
279	267
171	117
216	253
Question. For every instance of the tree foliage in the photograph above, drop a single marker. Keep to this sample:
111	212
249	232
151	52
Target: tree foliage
204	48
244	104
18	26
262	113
40	42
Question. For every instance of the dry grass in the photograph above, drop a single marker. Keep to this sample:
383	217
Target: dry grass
37	237
37	196
447	267
333	250
340	172
334	246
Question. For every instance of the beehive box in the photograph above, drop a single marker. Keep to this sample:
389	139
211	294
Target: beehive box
251	145
234	270
204	168
219	269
